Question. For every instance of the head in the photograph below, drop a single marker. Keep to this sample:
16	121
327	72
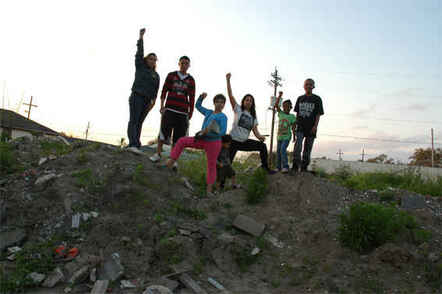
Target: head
309	85
248	103
151	61
184	64
219	101
287	106
226	140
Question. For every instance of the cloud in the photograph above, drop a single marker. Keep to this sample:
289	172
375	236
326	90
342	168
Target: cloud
364	111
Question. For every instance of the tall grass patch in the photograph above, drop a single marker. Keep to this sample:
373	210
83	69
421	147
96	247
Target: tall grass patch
406	180
8	159
257	186
367	226
195	170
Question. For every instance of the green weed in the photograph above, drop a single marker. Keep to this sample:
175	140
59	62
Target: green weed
53	147
367	226
32	258
8	159
257	186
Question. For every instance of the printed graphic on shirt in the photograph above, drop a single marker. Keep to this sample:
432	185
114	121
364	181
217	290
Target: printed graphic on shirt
306	109
180	87
284	127
245	121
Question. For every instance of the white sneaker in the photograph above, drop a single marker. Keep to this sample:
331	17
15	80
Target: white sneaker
175	166
285	170
135	150
155	157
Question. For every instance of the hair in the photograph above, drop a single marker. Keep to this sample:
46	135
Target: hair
219	97
184	57
287	101
226	139
149	55
310	79
252	108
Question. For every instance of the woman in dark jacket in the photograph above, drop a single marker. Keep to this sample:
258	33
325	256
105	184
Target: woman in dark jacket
144	93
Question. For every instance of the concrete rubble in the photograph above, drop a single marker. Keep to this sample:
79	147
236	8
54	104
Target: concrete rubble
248	225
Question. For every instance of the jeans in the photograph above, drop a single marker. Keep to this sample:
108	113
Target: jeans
281	154
308	146
250	145
138	110
212	149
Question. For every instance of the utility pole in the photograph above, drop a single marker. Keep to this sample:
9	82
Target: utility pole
275	82
87	128
340	153
3	99
432	148
363	155
30	105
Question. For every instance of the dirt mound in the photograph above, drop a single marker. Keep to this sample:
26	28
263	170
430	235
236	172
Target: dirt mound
143	218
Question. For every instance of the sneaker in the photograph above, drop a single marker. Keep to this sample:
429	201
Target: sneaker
236	186
271	171
135	150
175	166
285	170
155	157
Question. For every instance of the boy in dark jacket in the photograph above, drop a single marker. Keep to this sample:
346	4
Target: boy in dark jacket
224	168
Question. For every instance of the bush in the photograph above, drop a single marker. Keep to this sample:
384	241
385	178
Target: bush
367	226
257	186
8	160
195	170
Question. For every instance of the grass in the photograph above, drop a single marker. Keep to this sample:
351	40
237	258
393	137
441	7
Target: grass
32	258
409	180
8	159
367	226
54	147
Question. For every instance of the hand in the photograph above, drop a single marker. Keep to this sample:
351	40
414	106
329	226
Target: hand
142	31
280	94
228	76
261	138
162	109
203	95
314	129
220	164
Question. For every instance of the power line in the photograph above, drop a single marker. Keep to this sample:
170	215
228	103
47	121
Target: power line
387	119
380	140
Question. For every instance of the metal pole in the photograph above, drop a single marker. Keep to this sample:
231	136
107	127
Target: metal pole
273	127
432	148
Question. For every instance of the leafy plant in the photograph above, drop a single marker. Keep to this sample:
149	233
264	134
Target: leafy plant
257	186
367	226
8	159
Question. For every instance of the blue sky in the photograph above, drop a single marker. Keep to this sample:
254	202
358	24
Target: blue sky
377	64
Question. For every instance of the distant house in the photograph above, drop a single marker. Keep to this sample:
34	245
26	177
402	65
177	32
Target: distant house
15	125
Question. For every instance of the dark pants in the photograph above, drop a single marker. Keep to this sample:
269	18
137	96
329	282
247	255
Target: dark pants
250	145
308	146
138	110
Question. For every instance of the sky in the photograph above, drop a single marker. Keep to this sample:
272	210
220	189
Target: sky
377	64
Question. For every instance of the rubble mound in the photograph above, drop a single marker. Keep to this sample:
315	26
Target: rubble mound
126	225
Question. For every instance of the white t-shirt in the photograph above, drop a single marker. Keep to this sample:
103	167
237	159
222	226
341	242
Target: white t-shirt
243	123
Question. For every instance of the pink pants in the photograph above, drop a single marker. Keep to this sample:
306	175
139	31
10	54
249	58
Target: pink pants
212	149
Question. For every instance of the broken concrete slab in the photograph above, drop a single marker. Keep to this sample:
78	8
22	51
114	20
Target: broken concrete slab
168	283
248	225
157	289
11	237
80	275
76	221
44	179
100	287
53	278
111	269
191	284
37	278
42	160
413	202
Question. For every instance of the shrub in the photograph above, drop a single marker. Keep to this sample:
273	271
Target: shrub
195	170
257	186
32	258
8	160
367	226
